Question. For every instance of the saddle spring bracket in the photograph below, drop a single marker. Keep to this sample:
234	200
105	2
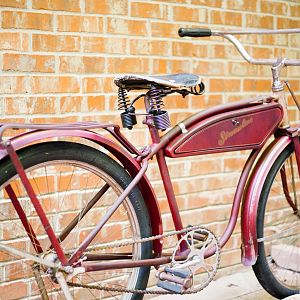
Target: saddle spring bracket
128	117
160	117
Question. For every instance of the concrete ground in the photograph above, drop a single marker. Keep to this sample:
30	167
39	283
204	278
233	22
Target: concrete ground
242	285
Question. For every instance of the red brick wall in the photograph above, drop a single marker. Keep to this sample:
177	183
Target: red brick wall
58	58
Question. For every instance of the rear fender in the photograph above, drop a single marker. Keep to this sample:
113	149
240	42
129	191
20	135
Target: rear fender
252	196
123	157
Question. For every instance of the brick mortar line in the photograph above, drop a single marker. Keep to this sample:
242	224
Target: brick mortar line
122	35
203	209
104	113
216	223
136	56
136	37
163	199
165	4
241	94
207	206
159	1
162	21
81	76
238	93
133	55
83	112
179	179
107	57
205	193
130	53
112	111
201	176
171	110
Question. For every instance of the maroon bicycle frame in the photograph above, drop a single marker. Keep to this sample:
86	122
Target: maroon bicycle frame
241	125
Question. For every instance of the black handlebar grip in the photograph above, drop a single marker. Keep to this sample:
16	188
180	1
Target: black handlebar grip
194	32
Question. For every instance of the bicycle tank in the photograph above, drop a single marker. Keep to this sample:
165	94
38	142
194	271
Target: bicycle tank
239	126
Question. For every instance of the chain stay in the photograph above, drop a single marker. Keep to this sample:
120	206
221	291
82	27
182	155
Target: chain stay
143	240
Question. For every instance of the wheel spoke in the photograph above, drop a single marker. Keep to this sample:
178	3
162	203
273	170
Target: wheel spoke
82	213
76	185
278	234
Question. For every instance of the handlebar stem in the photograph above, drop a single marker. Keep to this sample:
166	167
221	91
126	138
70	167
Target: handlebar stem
277	84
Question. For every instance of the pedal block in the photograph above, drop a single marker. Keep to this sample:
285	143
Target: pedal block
175	280
182	273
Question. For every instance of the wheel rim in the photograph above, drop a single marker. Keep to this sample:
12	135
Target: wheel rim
65	178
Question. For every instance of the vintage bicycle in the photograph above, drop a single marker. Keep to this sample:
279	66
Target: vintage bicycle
80	220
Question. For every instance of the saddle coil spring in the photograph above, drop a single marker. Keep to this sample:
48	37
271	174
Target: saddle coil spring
128	117
156	102
160	117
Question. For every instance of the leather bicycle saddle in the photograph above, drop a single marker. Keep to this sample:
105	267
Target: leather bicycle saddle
136	82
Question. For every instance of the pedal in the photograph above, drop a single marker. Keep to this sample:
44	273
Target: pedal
175	280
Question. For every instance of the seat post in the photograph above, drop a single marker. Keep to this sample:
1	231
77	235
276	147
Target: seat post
168	187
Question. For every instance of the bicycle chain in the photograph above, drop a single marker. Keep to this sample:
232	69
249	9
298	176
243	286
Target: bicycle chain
151	238
144	240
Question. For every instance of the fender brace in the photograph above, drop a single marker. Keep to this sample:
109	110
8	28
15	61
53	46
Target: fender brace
83	131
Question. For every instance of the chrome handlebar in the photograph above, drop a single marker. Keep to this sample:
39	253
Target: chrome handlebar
229	35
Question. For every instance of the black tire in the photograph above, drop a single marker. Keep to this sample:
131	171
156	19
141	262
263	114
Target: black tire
65	176
278	266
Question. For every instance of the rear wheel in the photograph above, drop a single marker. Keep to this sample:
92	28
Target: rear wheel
278	228
75	185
